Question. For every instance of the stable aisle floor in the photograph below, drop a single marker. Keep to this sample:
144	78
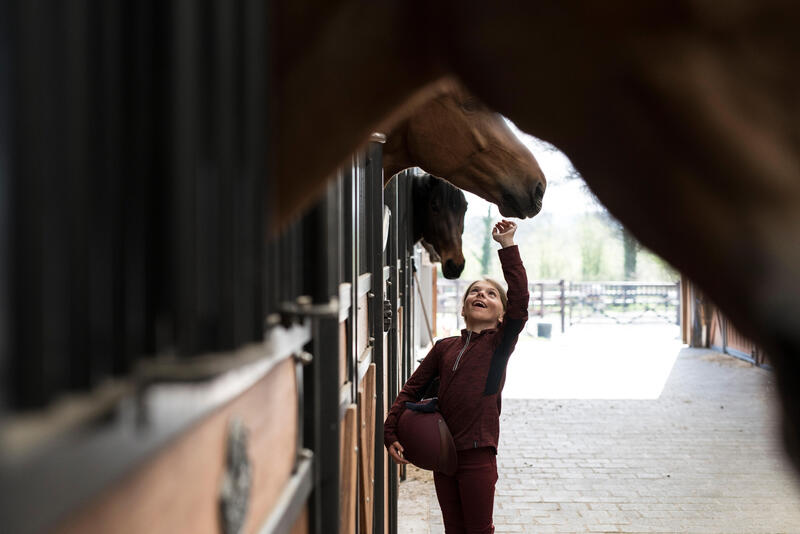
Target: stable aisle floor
697	451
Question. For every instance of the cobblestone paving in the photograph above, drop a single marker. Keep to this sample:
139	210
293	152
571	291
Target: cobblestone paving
703	457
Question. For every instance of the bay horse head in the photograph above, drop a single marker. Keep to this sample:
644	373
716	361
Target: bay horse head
439	210
456	137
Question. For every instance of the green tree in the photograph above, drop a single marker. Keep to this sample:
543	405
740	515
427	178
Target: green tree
591	246
486	252
631	249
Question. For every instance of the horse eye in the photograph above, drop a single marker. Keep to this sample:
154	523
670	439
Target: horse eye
470	105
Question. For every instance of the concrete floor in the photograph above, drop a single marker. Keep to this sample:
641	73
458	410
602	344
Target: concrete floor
620	429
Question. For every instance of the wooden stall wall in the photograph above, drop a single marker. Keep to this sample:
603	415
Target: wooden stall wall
366	450
178	489
704	325
349	470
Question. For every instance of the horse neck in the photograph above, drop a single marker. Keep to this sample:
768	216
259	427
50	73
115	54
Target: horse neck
395	152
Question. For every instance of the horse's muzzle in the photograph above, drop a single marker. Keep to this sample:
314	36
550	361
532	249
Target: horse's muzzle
521	208
452	270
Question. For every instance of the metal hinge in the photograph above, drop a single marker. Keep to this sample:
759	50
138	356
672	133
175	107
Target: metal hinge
387	315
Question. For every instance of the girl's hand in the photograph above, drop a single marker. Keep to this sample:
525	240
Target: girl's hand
396	452
503	233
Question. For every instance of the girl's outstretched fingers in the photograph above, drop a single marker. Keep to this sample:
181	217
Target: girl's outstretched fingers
503	232
396	452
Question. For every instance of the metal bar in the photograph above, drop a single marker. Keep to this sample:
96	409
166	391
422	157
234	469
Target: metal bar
351	271
375	264
405	230
392	286
7	118
294	496
327	422
321	377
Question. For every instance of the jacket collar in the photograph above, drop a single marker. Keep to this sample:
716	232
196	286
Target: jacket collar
465	332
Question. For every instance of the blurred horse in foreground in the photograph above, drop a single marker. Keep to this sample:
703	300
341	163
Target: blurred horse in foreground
682	116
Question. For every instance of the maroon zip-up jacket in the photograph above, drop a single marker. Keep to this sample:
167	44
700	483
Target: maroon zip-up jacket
469	391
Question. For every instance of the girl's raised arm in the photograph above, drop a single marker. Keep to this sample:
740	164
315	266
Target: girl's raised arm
513	271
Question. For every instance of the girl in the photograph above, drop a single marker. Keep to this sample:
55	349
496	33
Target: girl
471	369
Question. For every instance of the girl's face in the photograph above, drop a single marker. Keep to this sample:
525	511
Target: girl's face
483	303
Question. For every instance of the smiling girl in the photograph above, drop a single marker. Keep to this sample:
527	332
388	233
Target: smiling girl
471	369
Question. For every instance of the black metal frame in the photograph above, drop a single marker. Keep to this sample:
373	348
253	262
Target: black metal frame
392	376
375	265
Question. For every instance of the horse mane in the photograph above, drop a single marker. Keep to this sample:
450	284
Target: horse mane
452	196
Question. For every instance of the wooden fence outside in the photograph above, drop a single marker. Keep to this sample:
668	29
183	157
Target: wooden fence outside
581	302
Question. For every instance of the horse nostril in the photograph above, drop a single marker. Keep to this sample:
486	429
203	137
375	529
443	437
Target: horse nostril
452	270
536	199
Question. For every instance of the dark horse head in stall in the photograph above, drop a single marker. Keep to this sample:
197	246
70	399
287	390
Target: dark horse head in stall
439	209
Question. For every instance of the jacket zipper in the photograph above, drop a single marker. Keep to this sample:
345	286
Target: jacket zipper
469	335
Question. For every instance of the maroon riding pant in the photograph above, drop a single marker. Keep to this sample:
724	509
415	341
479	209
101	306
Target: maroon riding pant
467	498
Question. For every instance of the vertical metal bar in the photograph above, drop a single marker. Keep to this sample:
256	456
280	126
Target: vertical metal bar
392	364
6	151
408	280
405	230
325	497
404	223
29	63
348	248
321	425
224	143
256	157
355	253
75	89
374	181
182	99
358	209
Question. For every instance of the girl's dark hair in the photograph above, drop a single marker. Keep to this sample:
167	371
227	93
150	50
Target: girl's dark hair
500	290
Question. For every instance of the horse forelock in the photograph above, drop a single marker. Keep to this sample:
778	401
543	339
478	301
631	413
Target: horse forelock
449	194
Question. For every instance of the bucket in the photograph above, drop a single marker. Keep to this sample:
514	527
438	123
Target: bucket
544	330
